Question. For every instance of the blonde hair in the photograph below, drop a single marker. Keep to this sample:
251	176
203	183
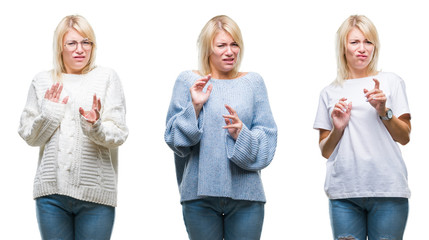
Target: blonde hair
81	25
205	42
369	31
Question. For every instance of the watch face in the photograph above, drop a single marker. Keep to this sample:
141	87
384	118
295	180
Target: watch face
389	114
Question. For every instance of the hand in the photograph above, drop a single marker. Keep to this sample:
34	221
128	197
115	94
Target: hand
198	96
341	114
233	123
53	94
94	114
377	98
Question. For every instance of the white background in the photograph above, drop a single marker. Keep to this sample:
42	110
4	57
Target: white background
148	43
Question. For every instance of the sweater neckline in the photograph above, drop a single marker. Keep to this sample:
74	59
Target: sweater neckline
216	79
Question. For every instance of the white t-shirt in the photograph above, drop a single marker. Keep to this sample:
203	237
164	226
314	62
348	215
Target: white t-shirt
366	162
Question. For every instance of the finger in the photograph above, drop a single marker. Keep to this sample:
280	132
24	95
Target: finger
236	125
209	89
99	104
339	110
379	97
349	109
372	92
81	111
94	101
57	93
47	94
208	77
204	80
232	118
50	92
365	90
65	100
230	109
97	115
227	121
377	83
342	106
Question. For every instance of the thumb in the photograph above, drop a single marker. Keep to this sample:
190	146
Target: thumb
349	108
65	100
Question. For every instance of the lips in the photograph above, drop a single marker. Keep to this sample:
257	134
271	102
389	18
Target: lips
79	58
228	60
362	56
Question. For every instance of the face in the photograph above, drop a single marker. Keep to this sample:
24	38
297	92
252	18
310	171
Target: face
75	60
359	50
224	55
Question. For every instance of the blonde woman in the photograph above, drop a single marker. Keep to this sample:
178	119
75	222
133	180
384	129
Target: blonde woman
361	118
76	115
223	134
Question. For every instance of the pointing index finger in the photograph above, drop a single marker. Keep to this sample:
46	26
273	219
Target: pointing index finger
377	83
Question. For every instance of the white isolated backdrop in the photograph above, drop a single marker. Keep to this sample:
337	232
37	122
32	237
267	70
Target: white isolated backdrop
148	43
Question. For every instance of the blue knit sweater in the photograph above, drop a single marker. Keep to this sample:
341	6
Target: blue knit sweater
209	162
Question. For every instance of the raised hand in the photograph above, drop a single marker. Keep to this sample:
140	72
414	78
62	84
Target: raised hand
376	98
94	114
53	94
199	97
233	123
341	114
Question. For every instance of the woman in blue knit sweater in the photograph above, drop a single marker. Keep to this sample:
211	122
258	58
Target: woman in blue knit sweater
222	132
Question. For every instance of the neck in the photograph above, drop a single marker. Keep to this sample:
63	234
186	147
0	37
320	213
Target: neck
224	75
358	73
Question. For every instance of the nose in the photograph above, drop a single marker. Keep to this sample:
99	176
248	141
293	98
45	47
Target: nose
79	48
229	51
362	48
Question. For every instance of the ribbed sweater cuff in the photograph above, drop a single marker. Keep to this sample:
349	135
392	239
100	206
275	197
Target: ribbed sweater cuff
52	111
239	150
192	126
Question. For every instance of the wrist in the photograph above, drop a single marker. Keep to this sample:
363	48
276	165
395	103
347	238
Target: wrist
388	114
383	112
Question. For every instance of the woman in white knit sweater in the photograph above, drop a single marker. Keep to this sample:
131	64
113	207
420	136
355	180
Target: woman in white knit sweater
76	115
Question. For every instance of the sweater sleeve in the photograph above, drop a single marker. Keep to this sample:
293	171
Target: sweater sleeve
183	129
110	130
39	122
256	144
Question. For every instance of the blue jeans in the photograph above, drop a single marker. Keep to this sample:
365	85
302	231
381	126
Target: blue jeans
377	218
217	218
66	218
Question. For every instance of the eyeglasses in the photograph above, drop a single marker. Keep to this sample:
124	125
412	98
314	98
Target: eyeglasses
72	45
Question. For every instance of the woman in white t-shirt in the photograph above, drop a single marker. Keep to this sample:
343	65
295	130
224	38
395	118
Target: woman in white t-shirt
360	117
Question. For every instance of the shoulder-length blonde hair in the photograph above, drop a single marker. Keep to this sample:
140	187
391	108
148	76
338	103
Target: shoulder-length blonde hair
205	42
81	25
368	29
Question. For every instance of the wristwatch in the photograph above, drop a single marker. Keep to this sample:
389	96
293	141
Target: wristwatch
389	115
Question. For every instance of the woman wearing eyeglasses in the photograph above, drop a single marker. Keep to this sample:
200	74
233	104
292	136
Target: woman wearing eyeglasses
75	113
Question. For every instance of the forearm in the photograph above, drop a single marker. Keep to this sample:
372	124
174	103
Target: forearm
329	140
399	128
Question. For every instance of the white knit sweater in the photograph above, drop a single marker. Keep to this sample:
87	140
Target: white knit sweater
76	159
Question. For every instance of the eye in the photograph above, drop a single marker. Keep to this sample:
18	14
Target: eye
86	43
369	42
71	44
